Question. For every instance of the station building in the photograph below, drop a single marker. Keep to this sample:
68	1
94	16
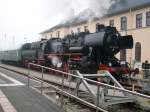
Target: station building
130	17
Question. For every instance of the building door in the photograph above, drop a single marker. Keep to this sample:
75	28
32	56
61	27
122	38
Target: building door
123	55
138	51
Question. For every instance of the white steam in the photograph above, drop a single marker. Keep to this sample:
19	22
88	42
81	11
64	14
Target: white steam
85	9
99	6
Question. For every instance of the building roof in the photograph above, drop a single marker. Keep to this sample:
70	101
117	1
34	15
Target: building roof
81	18
54	28
125	5
120	6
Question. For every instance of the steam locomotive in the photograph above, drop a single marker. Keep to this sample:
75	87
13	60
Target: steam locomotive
86	52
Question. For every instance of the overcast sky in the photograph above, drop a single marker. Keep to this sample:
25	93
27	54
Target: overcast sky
23	20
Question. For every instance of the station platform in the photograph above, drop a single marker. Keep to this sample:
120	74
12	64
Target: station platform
15	96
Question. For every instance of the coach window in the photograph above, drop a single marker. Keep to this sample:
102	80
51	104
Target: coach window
138	51
124	23
139	20
148	18
111	23
41	45
123	55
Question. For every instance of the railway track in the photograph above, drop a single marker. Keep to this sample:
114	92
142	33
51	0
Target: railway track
73	104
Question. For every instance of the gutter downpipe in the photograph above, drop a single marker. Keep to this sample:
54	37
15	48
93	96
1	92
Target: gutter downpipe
131	32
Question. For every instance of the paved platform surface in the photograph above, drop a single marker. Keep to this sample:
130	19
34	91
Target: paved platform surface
15	96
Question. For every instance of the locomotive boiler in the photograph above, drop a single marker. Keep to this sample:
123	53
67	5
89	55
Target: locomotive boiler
86	52
97	51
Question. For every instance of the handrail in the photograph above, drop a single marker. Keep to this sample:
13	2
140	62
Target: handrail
95	82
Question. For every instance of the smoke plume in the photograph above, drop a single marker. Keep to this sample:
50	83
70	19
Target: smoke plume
85	9
99	7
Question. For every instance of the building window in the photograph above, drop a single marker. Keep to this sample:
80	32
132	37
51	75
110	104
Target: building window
58	34
123	23
78	30
86	29
111	23
123	55
51	35
148	19
139	20
99	27
45	36
138	51
72	32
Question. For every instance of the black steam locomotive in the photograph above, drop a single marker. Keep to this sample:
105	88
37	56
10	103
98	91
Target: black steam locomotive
87	52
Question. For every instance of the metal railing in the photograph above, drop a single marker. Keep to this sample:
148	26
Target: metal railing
61	90
104	74
99	85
